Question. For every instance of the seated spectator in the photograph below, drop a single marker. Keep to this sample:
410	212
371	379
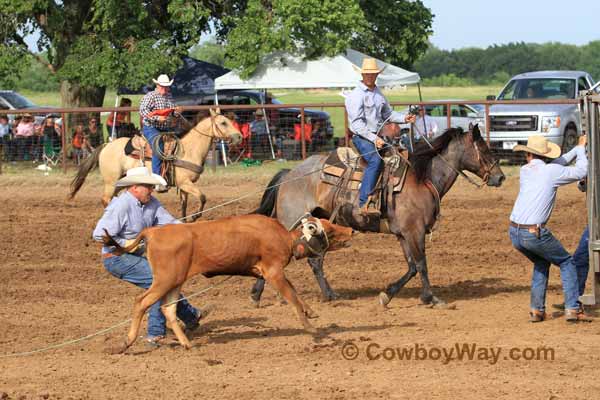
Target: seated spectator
308	129
122	120
51	138
24	131
94	133
5	137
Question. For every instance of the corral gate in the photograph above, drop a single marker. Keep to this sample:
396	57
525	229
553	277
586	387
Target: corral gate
590	121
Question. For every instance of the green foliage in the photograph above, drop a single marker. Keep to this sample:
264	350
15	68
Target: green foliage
211	52
397	31
496	64
311	28
447	80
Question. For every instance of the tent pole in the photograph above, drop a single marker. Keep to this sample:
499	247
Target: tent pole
113	131
419	88
262	100
221	142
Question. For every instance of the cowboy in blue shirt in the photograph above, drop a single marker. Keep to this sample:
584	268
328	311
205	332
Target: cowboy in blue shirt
528	232
367	109
124	218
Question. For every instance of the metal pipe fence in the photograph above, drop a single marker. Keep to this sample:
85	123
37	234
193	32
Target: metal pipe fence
64	136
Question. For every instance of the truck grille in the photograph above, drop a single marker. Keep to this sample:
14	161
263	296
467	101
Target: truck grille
513	123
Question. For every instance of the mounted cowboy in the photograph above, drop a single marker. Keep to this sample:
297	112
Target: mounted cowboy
367	110
154	121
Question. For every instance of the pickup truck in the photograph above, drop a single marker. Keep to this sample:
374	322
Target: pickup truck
560	123
11	100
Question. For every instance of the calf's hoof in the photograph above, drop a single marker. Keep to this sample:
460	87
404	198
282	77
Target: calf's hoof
331	296
384	299
118	349
310	314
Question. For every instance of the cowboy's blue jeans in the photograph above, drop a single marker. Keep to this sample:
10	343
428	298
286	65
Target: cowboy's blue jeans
581	259
544	251
150	133
368	152
136	269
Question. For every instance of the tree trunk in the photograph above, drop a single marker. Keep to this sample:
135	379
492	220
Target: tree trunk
74	95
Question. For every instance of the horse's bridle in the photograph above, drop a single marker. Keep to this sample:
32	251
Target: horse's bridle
217	133
487	170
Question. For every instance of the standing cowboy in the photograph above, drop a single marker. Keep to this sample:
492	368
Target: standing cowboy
367	109
152	125
125	217
535	202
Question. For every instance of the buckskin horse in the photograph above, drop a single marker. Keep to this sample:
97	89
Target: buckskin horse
194	147
411	212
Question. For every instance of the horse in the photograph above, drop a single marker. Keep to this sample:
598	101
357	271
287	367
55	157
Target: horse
411	213
193	148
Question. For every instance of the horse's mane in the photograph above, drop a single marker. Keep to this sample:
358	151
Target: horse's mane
421	157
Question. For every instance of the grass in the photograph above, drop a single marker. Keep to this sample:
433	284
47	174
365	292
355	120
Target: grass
409	94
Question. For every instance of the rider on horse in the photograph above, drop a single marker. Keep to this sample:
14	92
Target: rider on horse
367	109
153	122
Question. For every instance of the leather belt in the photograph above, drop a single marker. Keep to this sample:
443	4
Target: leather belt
108	255
527	226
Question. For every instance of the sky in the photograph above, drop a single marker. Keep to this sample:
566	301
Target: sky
482	23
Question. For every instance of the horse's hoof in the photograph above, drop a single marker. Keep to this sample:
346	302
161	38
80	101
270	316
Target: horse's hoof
331	296
118	349
384	299
255	303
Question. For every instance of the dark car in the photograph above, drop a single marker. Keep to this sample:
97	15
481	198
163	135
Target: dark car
282	119
11	100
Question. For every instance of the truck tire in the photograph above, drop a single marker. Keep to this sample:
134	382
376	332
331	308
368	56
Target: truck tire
569	139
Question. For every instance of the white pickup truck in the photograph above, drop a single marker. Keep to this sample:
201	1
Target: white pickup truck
512	124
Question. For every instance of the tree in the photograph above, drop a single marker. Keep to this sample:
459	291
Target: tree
209	51
397	31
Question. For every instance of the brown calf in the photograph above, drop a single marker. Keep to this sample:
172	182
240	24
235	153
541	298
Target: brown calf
249	245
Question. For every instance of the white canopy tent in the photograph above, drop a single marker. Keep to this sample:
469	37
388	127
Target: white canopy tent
284	71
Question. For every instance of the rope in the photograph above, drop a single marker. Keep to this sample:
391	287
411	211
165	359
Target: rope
106	330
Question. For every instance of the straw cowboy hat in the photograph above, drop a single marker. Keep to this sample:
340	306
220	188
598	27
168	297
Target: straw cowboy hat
163	80
369	66
140	176
538	144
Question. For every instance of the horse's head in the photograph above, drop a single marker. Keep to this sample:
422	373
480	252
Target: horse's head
478	159
223	128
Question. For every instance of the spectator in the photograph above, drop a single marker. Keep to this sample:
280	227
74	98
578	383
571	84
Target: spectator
24	132
51	138
259	134
80	143
123	126
5	137
94	133
425	126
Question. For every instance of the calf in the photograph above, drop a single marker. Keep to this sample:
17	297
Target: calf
249	245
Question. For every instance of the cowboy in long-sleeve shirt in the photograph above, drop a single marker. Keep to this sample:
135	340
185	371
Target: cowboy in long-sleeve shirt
528	232
367	109
125	217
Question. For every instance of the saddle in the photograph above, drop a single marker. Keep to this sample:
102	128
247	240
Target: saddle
139	148
344	168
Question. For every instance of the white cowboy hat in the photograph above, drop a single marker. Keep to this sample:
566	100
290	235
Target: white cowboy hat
163	80
369	66
538	144
140	176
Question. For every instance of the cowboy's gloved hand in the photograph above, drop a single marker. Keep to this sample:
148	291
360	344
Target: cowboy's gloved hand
410	119
178	110
379	143
129	242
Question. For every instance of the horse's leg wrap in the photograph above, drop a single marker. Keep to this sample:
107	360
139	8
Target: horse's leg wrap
257	290
316	264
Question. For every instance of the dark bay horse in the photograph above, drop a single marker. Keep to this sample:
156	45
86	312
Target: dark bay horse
411	213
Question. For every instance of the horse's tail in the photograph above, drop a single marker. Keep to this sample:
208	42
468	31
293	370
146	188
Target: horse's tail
84	169
267	203
120	250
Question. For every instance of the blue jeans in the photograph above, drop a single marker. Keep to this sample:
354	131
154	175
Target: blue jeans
371	173
136	269
542	252
150	133
581	259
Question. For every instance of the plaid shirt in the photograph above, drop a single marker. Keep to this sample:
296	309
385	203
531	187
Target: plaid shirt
155	101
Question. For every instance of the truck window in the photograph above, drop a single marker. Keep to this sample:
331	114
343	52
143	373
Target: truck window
543	88
509	92
582	84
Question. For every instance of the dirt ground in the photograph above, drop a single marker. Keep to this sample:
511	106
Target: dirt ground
53	288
